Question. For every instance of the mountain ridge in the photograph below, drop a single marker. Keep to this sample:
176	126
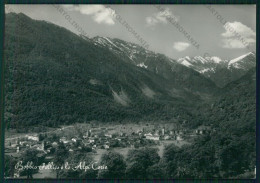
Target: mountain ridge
218	70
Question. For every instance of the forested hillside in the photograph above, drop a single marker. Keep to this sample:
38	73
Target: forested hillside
55	77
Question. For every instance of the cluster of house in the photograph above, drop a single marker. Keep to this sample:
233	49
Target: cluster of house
165	135
97	138
174	134
16	146
100	138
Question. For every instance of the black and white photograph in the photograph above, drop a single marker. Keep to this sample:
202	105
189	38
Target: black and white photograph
130	91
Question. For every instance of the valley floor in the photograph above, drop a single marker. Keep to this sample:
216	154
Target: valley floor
96	140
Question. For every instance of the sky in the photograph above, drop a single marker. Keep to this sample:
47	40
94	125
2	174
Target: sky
226	31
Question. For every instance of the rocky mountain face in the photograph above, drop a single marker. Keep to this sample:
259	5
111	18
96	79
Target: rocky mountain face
218	70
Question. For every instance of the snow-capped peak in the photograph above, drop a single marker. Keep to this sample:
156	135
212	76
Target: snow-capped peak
110	41
240	58
104	41
186	63
200	58
216	59
99	40
187	57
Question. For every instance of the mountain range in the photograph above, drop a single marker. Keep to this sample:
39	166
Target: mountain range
221	71
55	77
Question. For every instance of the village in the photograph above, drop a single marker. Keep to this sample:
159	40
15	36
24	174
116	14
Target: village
96	139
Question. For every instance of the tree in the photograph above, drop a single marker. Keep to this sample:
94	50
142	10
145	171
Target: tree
157	171
169	157
140	160
115	164
75	161
30	155
60	155
9	166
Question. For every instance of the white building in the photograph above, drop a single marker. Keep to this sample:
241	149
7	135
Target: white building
151	137
178	137
74	140
167	137
14	145
41	147
54	144
33	137
63	139
108	135
91	140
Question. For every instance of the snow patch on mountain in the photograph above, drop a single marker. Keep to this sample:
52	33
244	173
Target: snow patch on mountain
186	63
142	65
99	40
187	57
235	62
207	70
199	58
110	42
